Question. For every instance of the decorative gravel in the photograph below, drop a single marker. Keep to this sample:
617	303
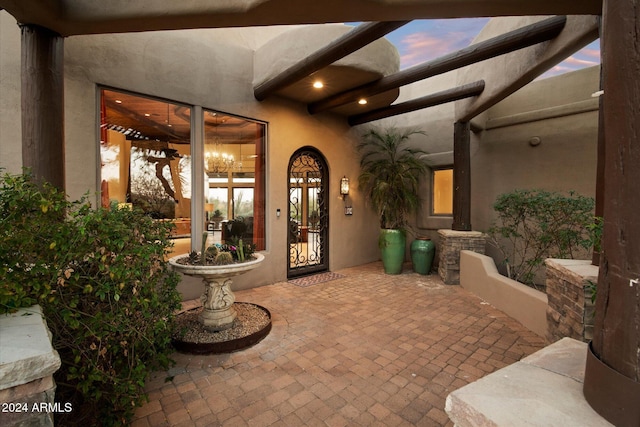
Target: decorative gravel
251	319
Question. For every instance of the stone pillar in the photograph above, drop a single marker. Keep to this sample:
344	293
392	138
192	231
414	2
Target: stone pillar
449	247
570	312
27	364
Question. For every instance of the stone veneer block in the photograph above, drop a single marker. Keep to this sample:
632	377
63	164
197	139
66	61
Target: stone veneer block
544	389
27	364
570	311
450	245
26	353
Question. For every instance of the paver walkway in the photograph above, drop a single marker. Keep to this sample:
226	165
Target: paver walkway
368	349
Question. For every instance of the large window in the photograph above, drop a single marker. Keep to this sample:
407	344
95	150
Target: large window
146	150
234	168
442	192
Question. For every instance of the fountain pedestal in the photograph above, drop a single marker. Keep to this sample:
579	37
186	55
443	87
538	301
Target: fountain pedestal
218	298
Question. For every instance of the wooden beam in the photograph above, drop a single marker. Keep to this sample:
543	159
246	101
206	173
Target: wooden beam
43	104
523	37
449	95
339	48
461	177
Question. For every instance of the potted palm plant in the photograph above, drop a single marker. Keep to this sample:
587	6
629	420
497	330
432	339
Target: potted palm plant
389	179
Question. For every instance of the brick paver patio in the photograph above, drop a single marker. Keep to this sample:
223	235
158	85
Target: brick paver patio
368	349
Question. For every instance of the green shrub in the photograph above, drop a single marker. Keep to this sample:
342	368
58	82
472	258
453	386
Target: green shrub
105	289
533	225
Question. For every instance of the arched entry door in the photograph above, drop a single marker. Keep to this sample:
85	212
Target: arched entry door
308	230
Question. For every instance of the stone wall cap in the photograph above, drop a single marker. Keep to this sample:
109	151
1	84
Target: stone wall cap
26	353
580	267
456	233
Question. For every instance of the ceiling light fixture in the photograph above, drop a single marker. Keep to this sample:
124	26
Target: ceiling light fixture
318	84
216	161
362	101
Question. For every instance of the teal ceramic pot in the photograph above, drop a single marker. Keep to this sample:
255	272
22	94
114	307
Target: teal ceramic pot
392	246
422	252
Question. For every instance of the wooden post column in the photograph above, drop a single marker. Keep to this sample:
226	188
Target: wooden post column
461	177
43	104
612	374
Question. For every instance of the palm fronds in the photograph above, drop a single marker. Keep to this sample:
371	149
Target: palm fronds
390	174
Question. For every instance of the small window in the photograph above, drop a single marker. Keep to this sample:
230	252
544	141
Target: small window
442	194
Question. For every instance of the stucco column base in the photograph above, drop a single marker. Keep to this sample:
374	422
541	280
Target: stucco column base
218	313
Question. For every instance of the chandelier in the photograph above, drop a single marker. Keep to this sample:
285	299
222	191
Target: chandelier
217	162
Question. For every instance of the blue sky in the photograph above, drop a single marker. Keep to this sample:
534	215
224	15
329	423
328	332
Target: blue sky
423	40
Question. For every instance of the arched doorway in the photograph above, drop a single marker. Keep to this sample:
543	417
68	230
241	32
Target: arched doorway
308	231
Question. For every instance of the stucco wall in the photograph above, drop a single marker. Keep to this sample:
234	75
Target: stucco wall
478	274
10	126
558	110
204	68
215	69
503	159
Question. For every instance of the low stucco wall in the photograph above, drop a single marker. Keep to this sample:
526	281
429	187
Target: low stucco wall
479	275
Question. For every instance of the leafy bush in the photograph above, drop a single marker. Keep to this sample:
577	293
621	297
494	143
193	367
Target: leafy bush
105	289
533	225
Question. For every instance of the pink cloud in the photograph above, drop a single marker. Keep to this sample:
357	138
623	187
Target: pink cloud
577	62
423	46
591	53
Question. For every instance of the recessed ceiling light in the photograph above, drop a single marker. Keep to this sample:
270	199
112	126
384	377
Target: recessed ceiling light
147	115
318	84
362	101
118	101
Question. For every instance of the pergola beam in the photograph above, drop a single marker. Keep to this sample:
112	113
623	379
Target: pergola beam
337	49
449	95
514	40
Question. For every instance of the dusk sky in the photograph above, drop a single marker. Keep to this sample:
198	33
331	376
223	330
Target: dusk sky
424	40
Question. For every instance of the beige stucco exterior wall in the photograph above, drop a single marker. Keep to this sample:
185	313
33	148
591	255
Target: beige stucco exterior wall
205	68
558	110
478	275
215	69
502	158
10	127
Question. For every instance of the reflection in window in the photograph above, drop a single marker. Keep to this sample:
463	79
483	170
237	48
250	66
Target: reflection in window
145	148
234	166
442	192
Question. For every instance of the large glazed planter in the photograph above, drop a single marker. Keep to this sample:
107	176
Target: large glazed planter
422	252
392	247
217	300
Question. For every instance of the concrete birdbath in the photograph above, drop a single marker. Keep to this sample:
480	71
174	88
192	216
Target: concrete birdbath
217	300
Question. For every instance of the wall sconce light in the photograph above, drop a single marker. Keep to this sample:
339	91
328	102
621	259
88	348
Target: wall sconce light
344	187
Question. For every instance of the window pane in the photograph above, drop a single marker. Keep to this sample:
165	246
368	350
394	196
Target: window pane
443	192
243	202
234	164
145	148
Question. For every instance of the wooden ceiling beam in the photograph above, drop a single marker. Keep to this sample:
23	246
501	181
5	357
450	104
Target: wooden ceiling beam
355	39
449	95
513	40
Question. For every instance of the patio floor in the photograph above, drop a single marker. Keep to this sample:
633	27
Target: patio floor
367	349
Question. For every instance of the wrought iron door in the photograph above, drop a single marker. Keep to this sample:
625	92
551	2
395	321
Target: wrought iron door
307	233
